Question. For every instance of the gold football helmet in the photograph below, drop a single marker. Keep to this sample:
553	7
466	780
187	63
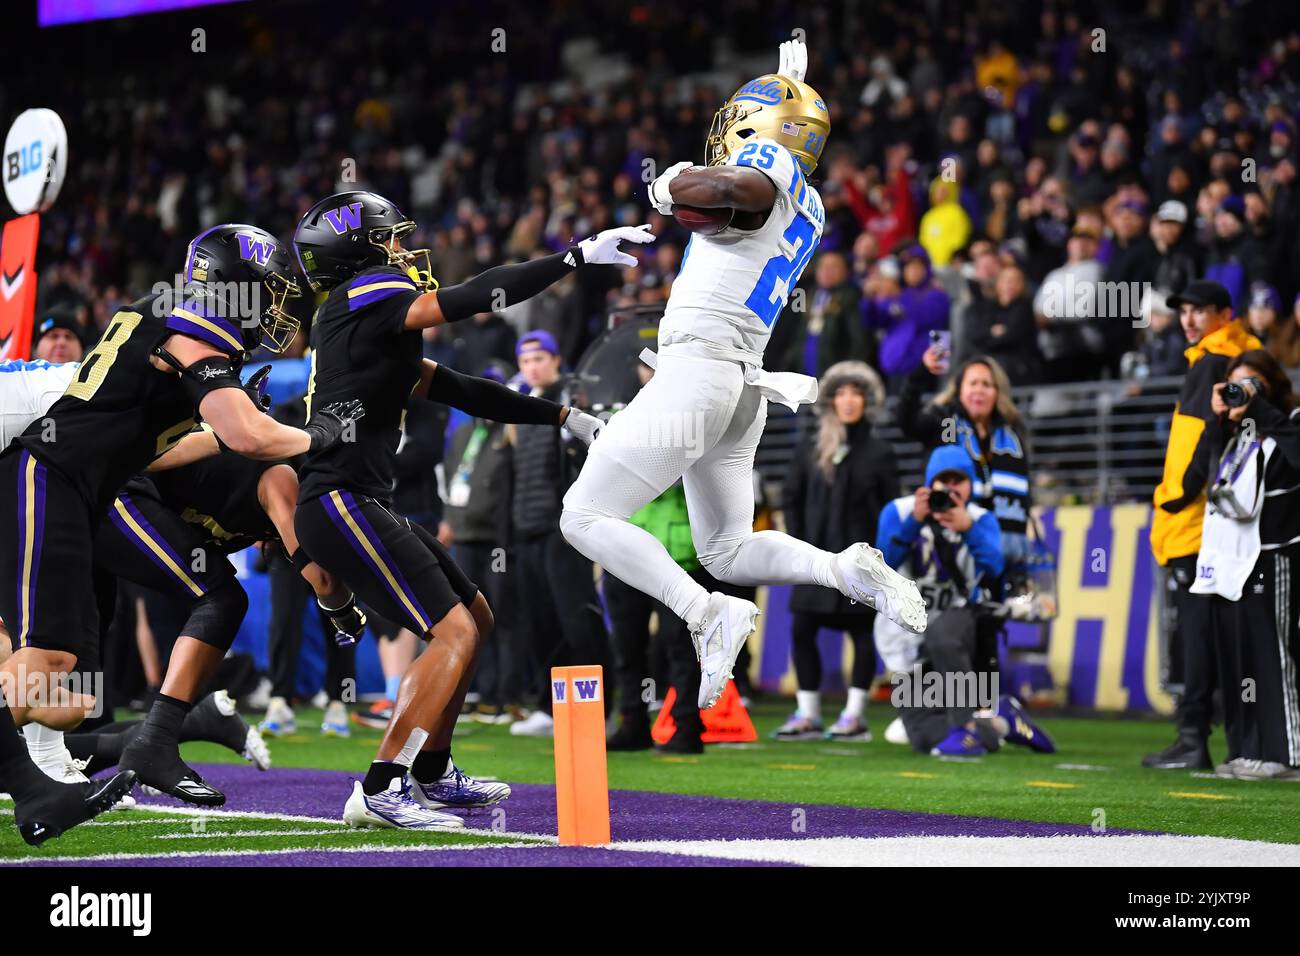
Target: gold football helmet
788	111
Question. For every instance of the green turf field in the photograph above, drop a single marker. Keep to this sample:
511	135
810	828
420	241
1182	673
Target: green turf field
1011	783
1094	778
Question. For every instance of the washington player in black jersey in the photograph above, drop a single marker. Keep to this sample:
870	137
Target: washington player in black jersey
162	362
366	342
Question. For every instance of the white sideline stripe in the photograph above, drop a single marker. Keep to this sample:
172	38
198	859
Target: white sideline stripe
210	854
239	834
1162	850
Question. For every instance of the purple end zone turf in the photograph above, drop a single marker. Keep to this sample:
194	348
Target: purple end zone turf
634	814
481	856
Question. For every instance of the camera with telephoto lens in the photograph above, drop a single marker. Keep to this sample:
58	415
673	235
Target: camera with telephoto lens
1235	394
940	500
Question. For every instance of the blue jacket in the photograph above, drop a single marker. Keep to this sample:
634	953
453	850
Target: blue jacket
908	547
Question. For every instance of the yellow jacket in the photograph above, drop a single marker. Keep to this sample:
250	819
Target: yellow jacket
946	227
1180	499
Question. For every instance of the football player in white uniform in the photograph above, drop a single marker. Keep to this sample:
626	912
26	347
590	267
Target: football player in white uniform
27	389
700	418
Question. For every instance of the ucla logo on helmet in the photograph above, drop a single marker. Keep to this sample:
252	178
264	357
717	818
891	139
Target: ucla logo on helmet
255	248
767	92
344	218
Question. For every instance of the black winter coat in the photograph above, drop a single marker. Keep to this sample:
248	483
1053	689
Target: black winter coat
834	515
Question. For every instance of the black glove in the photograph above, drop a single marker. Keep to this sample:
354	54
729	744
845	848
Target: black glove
328	424
255	386
349	622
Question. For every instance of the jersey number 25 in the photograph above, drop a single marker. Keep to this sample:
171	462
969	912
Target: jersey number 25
782	272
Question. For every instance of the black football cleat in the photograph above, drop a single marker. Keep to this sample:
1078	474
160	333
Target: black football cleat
1188	752
160	767
61	806
681	743
632	734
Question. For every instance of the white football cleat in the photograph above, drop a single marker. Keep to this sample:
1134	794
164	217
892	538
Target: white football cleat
458	791
727	623
866	578
279	720
536	724
896	733
395	809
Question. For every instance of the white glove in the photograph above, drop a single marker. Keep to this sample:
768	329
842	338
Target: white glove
586	428
794	60
660	197
602	248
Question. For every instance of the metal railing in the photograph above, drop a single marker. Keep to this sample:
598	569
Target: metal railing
1089	442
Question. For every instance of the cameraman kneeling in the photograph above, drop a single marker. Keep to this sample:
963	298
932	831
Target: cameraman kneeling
1249	547
947	545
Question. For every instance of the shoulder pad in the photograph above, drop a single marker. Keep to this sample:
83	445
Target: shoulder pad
375	285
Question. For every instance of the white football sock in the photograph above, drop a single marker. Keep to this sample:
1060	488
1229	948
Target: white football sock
857	703
42	742
809	704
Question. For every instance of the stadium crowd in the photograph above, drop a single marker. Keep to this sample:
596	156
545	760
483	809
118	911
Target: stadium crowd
1020	180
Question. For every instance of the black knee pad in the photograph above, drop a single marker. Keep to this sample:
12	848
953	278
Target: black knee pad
215	618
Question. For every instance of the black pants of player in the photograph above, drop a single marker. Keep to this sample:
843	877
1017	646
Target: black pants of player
498	673
289	595
1195	643
563	619
629	611
1257	646
808	659
391	563
47	592
948	648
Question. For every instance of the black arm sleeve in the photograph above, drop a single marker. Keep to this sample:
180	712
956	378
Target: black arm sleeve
922	424
491	400
505	285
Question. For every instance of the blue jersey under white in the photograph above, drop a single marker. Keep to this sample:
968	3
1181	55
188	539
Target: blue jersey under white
732	286
908	547
27	390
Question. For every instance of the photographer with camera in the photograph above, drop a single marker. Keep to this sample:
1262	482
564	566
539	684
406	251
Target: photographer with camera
1214	338
951	547
1250	543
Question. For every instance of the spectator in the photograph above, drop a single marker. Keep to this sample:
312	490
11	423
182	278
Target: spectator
908	317
1071	337
1235	259
1175	262
841	476
1262	313
949	546
976	412
1285	344
1164	343
945	227
59	337
833	328
1251	537
553	580
1003	327
1214	338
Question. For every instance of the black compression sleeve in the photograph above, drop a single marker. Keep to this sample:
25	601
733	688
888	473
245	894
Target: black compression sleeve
483	398
505	285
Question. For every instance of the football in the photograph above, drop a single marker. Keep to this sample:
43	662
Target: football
705	222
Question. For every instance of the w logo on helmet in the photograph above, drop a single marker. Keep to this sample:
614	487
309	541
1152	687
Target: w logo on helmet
255	248
344	219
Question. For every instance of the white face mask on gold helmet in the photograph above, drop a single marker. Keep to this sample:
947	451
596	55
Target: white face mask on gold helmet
775	107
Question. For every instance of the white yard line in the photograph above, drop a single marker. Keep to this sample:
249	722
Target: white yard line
209	854
1163	850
